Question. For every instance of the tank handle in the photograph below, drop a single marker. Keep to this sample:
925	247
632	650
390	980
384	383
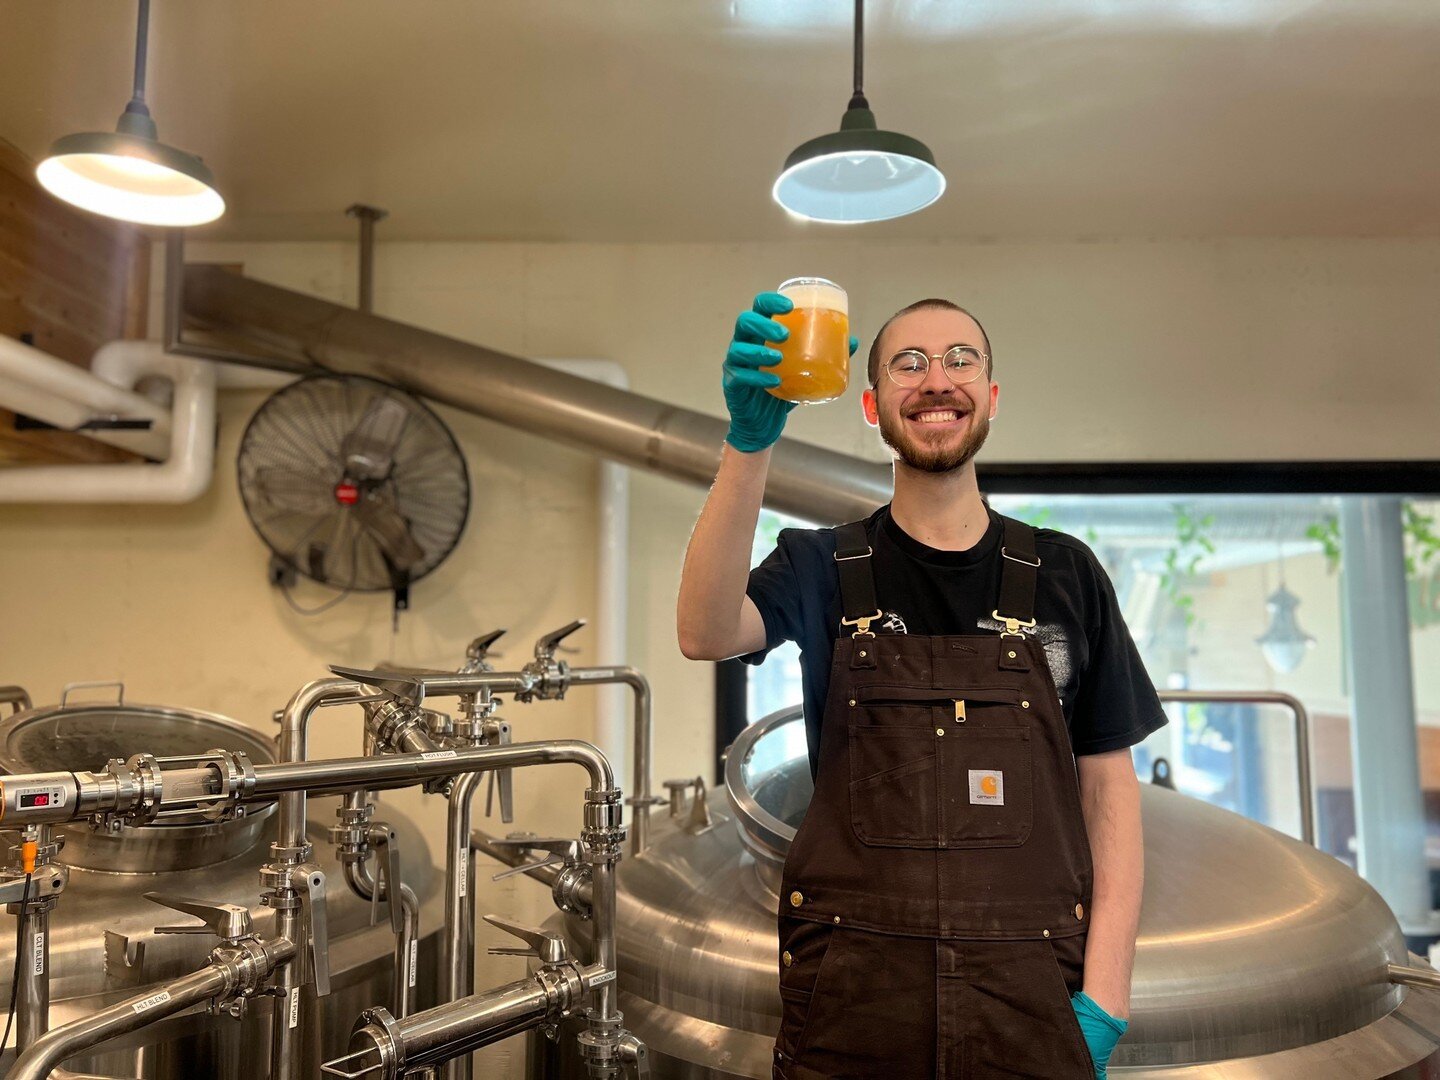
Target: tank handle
1426	978
15	697
69	687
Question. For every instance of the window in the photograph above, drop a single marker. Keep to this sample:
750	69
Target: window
1249	593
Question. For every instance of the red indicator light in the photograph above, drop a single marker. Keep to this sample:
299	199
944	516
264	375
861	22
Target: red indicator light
346	493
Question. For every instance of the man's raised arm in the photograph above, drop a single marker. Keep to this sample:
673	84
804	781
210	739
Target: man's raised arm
714	617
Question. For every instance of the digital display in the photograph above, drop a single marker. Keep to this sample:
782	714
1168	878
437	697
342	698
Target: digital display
39	798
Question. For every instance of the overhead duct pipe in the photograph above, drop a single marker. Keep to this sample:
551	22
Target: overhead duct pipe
37	384
188	466
805	480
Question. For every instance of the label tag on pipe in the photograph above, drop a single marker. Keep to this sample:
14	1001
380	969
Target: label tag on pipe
464	871
601	980
294	1006
434	754
150	1002
37	956
414	949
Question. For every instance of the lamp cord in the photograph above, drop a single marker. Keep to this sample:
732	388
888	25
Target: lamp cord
858	100
142	39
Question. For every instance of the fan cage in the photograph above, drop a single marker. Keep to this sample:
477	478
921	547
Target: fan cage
290	465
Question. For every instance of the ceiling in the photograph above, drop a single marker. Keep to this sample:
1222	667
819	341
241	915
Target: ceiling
667	120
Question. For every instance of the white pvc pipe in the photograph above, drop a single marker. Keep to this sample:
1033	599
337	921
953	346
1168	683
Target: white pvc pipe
186	473
613	714
37	384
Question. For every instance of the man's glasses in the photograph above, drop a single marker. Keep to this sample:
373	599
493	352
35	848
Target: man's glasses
961	365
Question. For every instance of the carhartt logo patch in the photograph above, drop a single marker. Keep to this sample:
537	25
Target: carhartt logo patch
987	787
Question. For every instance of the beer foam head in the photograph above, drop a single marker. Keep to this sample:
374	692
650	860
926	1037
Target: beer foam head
816	293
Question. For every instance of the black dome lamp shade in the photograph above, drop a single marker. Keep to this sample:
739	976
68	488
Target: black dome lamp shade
859	173
129	174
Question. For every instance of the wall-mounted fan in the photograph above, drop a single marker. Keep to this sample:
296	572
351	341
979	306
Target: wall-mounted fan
353	483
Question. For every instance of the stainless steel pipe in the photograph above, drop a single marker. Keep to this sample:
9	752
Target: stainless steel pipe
94	794
643	739
289	328
363	884
292	1017
458	953
32	993
212	981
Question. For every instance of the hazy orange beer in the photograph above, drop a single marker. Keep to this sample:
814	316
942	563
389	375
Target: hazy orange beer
815	358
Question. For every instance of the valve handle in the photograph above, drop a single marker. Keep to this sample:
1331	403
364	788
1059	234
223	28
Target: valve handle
505	779
634	1057
387	870
550	948
549	860
566	847
480	647
308	881
228	921
406	687
545	647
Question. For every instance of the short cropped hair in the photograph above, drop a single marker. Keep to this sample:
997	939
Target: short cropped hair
923	305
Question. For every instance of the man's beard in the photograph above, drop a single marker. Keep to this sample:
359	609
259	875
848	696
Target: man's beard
920	455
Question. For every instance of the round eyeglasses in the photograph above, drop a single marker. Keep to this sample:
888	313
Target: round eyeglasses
961	364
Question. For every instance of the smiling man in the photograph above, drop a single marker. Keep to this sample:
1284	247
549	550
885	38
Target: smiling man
962	897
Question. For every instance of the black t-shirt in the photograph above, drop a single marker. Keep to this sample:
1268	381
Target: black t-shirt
1108	698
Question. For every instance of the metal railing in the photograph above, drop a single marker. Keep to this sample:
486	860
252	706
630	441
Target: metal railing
1302	737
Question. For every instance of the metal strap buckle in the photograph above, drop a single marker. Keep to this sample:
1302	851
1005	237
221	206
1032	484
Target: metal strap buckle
846	558
1024	562
863	623
1013	626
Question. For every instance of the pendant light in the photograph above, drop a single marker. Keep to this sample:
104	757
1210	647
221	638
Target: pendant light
130	174
859	173
1284	644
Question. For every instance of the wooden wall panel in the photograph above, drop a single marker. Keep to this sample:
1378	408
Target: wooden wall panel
69	282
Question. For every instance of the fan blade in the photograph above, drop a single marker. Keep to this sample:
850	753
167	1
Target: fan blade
300	489
390	530
369	450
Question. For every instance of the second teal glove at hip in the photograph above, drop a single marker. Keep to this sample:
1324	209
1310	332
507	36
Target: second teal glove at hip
1101	1030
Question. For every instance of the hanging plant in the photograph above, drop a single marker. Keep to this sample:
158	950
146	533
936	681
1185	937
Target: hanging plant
1181	560
1422	559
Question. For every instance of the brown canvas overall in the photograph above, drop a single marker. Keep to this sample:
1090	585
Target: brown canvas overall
934	902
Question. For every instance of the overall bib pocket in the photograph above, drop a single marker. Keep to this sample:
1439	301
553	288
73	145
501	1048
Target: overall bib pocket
939	769
989	798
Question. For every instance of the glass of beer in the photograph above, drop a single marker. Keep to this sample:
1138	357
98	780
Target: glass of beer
815	359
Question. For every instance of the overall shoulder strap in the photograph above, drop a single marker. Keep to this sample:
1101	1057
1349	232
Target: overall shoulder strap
1018	570
857	576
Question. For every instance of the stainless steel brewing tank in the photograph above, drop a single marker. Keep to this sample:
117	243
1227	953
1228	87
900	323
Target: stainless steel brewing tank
1258	956
102	945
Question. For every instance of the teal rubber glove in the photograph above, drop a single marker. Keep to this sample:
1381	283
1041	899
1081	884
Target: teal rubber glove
1102	1031
757	417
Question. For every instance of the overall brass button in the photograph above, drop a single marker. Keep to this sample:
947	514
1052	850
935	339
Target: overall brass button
796	898
852	702
837	918
1023	704
1011	654
786	958
1079	911
863	653
939	731
1045	932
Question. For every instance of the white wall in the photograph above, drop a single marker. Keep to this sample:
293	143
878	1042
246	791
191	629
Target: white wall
1104	351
